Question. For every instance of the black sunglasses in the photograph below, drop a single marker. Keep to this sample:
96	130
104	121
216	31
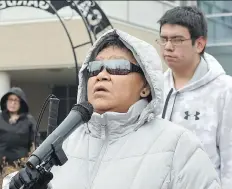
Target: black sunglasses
113	67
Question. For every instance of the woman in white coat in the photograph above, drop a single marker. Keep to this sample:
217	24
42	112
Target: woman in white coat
125	145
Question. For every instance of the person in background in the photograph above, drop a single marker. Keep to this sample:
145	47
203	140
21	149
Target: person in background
197	90
17	127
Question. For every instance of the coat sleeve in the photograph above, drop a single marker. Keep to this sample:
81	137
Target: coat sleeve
192	168
225	140
8	178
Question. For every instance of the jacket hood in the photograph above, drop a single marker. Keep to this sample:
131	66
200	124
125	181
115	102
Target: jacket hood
147	58
213	71
18	92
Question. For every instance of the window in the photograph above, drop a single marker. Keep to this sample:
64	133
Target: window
212	7
220	29
171	2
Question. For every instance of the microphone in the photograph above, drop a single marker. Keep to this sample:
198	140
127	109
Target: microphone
52	115
80	113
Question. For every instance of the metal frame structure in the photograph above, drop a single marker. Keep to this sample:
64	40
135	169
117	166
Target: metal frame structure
70	39
92	36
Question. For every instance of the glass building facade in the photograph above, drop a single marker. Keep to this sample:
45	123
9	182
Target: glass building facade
219	19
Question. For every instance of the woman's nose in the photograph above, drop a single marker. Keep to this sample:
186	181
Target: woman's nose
103	75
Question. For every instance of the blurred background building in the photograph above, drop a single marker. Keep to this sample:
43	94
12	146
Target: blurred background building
36	54
219	18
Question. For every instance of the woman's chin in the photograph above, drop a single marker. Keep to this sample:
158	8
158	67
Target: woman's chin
101	106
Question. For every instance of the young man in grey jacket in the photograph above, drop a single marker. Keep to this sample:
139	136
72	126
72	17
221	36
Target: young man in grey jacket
198	92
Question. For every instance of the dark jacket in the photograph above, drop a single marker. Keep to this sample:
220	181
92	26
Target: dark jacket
16	139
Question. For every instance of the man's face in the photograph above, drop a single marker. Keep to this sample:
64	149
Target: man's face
179	52
13	103
120	91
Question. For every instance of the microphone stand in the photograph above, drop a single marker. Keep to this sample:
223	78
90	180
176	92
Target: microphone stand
57	155
53	114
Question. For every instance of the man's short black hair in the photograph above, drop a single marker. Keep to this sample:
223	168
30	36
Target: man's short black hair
190	17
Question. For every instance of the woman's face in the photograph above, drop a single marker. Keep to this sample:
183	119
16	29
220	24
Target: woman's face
13	103
118	92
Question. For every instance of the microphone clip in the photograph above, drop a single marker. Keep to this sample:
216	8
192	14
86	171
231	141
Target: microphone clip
58	155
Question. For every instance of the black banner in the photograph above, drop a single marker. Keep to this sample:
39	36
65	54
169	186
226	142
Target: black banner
90	12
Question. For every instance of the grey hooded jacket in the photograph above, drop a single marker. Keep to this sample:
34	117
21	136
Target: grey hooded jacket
134	150
204	106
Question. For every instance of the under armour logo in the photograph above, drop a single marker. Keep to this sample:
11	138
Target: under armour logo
187	115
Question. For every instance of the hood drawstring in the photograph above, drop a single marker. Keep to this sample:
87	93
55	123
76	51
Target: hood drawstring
166	103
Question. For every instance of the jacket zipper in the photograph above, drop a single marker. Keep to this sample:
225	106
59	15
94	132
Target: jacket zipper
101	155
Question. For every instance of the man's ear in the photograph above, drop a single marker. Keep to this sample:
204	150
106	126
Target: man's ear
200	44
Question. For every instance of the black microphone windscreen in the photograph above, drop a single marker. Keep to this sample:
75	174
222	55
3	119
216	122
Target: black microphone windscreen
85	109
